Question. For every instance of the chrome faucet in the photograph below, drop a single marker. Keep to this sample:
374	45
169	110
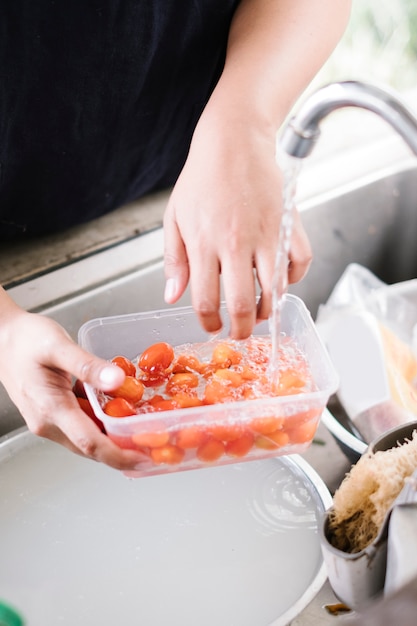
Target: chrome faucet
302	131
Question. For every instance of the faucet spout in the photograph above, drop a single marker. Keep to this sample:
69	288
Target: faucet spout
302	131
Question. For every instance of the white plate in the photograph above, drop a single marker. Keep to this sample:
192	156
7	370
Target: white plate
82	545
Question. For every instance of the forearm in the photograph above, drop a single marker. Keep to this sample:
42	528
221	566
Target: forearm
275	49
8	310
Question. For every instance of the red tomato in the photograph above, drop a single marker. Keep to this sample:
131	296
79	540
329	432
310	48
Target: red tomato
186	363
151	440
165	405
131	389
216	392
125	364
190	437
186	400
125	442
275	440
154	380
181	382
228	377
170	454
225	356
209	451
226	432
240	447
156	358
119	407
266	425
303	433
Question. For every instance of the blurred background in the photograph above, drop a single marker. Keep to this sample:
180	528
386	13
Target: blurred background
379	45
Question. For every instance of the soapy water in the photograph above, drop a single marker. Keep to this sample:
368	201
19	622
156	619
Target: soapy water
82	545
290	168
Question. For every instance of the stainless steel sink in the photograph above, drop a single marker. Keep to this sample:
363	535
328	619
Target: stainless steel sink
370	219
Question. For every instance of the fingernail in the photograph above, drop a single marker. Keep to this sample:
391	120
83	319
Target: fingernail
170	290
108	375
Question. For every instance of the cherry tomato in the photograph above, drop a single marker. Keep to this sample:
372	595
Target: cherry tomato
165	405
153	380
170	454
156	358
210	451
125	442
266	425
303	433
186	400
151	440
125	364
229	377
190	437
275	440
216	392
225	356
131	389
181	382
290	382
241	446
186	363
119	407
226	432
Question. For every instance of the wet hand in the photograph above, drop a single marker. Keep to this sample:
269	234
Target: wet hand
223	219
37	374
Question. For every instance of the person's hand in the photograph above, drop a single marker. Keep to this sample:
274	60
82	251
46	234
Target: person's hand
38	360
223	217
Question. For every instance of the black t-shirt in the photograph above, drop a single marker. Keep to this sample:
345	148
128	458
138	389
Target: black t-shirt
98	102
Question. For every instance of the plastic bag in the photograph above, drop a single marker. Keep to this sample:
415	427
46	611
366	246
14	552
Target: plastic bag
369	329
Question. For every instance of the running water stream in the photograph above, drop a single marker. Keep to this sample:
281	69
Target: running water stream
290	167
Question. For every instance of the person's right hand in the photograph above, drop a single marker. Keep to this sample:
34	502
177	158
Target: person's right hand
38	361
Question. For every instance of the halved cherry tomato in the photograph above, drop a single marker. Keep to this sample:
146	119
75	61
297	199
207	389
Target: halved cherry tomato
131	389
170	454
210	451
157	358
151	439
119	407
125	364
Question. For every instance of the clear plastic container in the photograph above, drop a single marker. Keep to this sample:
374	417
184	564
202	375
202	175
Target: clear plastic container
298	415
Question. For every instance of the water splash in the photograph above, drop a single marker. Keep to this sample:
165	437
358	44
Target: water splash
290	168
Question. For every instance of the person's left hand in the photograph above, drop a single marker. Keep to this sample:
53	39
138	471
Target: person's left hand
223	217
